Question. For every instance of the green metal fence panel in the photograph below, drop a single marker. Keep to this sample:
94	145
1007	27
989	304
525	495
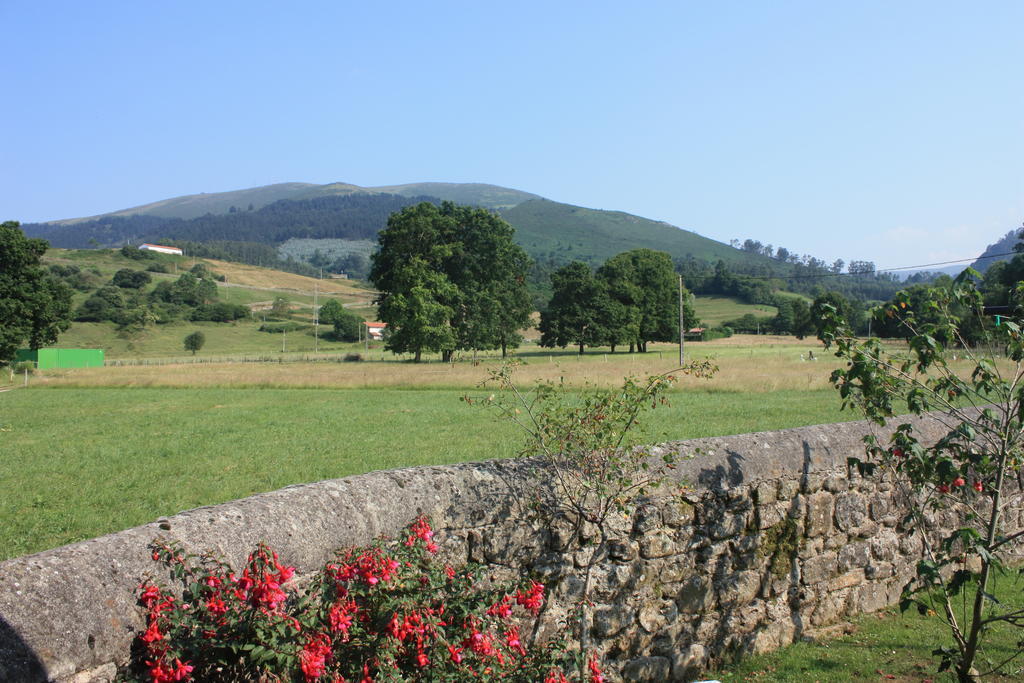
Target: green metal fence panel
62	358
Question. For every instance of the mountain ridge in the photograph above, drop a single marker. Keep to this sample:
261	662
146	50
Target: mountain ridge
196	205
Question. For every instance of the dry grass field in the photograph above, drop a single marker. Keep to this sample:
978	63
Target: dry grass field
747	364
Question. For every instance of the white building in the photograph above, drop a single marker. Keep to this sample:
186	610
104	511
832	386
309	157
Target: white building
376	330
162	249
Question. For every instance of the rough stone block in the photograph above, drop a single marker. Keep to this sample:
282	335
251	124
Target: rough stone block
658	544
677	512
847	580
647	518
820	568
688	662
728	526
851	511
740	588
836	483
884	547
621	550
766	492
654	669
610	621
854	555
788	489
819	514
770	514
696	595
654	617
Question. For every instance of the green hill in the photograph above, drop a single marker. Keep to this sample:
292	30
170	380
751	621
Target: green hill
563	231
549	231
195	205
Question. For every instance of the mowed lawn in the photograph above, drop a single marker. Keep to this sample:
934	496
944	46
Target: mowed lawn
81	462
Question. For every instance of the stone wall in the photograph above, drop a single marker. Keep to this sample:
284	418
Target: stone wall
773	540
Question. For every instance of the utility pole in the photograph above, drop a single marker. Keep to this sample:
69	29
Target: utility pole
682	322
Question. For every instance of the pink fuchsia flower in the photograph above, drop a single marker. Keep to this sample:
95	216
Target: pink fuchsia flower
595	670
959	481
979	487
182	670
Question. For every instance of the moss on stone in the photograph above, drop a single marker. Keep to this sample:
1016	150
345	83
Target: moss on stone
780	544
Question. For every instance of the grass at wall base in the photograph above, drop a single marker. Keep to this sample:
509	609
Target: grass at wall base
884	646
972	473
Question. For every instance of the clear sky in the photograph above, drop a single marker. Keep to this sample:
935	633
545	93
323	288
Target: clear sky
888	131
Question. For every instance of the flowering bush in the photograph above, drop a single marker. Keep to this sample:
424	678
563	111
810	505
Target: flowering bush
968	373
388	612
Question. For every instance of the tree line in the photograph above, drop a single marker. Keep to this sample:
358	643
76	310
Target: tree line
632	299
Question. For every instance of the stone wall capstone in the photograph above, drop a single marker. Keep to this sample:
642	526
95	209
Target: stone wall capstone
773	540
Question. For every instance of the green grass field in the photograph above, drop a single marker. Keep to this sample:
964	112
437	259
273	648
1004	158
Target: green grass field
714	310
84	462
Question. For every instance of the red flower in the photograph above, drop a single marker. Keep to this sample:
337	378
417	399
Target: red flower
898	452
555	676
943	488
532	600
595	670
150	595
513	642
979	487
313	658
216	606
959	481
501	609
455	654
182	671
152	633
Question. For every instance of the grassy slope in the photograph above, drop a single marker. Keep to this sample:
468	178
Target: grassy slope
714	310
244	285
592	235
195	205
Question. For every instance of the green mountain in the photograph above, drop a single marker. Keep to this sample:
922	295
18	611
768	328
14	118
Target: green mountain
273	214
196	205
562	231
1002	250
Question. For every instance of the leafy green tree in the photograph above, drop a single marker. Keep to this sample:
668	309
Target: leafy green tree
195	341
467	268
418	317
644	282
105	304
126	278
35	307
346	324
969	478
574	314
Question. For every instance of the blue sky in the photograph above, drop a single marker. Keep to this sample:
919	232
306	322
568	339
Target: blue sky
888	131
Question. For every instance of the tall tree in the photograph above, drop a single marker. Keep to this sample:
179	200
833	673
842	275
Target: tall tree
417	312
645	283
574	315
468	266
34	306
